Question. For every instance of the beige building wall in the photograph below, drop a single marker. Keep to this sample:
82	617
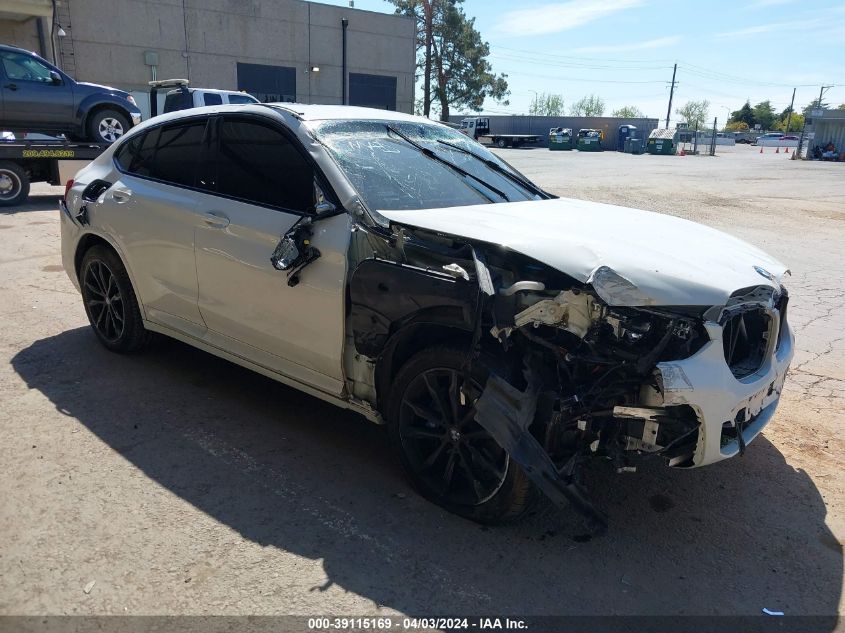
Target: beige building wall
204	42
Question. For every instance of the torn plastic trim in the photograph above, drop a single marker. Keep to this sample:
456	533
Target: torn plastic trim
507	413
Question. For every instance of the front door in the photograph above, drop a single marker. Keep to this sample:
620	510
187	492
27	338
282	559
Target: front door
265	185
31	99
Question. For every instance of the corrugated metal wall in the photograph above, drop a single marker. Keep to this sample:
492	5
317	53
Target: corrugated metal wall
826	131
541	125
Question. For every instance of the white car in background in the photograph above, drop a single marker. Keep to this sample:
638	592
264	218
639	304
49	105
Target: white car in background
391	265
777	139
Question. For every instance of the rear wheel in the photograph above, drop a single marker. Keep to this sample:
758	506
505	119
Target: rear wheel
450	459
14	184
110	301
502	143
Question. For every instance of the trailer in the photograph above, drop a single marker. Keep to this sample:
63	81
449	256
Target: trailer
51	161
478	128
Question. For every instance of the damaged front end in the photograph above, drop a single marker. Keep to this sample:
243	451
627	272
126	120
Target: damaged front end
571	377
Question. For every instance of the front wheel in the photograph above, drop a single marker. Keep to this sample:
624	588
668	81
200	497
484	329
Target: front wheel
501	143
110	301
451	459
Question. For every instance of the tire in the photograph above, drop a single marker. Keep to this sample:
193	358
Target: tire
14	184
106	126
501	143
110	301
427	441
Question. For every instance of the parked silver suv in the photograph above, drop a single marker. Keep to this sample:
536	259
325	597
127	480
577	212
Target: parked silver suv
393	266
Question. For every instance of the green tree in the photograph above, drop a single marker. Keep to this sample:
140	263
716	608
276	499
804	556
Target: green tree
764	114
744	114
737	126
546	105
815	104
628	112
591	105
694	113
452	57
796	123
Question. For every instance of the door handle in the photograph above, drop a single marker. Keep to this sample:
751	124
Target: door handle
11	86
216	220
121	195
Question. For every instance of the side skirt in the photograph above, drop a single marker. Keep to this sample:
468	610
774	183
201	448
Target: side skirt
359	407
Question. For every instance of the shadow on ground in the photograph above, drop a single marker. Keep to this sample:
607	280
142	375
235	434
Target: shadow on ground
35	202
288	471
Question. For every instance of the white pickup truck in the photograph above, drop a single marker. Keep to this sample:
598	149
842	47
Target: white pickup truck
181	97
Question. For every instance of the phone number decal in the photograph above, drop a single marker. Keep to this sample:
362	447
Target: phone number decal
48	153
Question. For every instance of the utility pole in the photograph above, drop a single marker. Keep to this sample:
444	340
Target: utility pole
428	12
671	94
789	116
821	95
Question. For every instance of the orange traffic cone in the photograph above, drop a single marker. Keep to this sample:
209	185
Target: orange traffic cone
761	150
683	153
786	151
777	150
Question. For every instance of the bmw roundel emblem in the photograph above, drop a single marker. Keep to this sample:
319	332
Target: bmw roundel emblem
764	273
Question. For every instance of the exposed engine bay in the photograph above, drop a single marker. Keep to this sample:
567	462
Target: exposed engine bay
572	377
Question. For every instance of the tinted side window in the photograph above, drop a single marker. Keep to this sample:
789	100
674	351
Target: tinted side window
212	98
241	99
181	100
137	154
178	152
20	67
259	164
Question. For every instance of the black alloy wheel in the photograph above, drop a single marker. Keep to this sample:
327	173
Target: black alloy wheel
104	301
450	458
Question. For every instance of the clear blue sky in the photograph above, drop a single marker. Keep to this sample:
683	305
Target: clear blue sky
623	50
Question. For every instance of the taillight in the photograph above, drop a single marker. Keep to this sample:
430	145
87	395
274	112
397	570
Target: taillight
68	185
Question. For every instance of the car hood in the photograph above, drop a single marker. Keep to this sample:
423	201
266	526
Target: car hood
91	88
670	261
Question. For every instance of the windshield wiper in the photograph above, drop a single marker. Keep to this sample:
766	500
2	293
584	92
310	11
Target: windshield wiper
430	153
497	168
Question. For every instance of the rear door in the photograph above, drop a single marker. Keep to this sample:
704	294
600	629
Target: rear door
265	184
155	207
31	100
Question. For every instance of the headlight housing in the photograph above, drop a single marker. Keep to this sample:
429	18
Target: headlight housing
616	290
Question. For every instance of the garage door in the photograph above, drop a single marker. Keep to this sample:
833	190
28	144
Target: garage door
372	91
267	83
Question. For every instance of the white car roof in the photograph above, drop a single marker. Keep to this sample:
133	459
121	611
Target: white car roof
299	110
308	112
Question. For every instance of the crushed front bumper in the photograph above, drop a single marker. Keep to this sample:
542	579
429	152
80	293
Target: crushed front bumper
727	408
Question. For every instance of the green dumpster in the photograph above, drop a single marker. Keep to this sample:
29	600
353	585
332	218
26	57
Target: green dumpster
589	140
560	138
662	142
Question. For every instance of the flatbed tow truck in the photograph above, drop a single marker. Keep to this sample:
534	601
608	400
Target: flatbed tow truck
53	161
478	128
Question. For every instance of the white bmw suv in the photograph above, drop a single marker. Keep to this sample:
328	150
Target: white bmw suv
390	265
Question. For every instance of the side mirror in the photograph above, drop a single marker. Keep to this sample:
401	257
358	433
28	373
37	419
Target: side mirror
56	78
286	253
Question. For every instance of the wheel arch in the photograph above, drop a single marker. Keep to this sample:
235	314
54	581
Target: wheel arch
99	106
91	239
407	341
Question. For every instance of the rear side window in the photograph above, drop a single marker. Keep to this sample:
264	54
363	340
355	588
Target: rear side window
136	155
259	164
241	99
178	152
212	98
181	100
